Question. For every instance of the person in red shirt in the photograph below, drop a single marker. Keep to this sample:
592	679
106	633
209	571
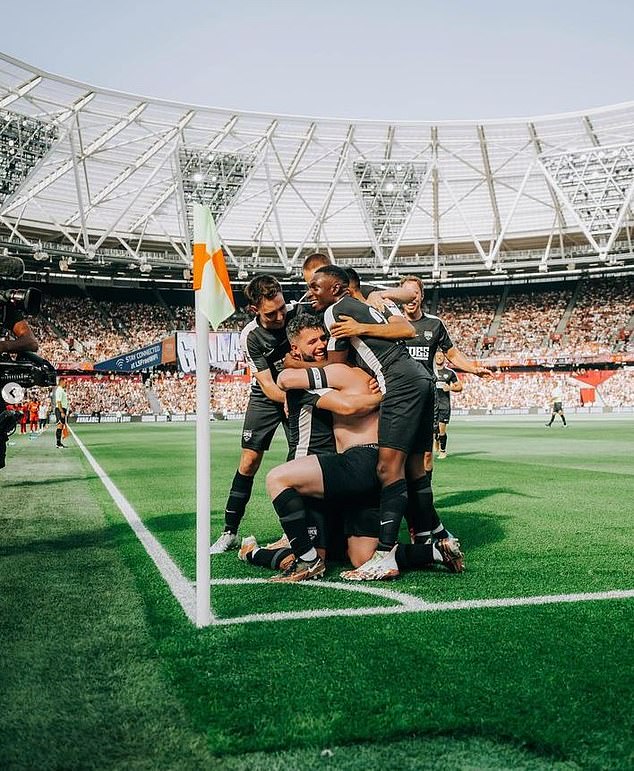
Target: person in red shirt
24	416
34	408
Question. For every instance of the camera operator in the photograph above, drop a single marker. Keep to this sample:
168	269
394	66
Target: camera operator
20	338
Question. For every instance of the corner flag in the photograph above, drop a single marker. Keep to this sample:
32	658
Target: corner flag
214	303
211	279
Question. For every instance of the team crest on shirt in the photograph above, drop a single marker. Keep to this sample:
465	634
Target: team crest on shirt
247	434
428	334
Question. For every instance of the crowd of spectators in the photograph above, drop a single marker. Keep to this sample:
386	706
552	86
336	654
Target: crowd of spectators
528	321
86	330
603	308
468	318
177	393
535	389
108	394
618	390
80	329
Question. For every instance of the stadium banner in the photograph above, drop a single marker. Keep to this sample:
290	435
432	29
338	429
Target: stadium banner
162	352
224	352
104	418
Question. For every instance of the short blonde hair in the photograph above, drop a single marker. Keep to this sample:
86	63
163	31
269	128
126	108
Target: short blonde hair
417	279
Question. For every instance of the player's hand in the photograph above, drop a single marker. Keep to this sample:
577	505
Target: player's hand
346	327
291	362
376	300
445	387
286	406
483	372
374	387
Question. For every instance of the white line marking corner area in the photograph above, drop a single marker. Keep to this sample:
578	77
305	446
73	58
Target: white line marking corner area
184	590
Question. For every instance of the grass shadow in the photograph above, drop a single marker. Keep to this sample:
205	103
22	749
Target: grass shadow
43	482
111	536
464	497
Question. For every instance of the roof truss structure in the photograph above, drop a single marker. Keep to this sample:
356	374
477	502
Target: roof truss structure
213	179
597	185
24	142
113	186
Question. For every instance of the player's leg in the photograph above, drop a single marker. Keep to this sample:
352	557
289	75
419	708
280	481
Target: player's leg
442	438
303	474
552	417
278	558
420	556
59	427
260	423
286	484
423	519
362	526
563	417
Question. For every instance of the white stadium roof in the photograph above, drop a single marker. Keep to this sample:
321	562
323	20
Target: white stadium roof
107	177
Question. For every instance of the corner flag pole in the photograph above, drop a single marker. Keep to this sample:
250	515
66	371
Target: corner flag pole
214	303
203	471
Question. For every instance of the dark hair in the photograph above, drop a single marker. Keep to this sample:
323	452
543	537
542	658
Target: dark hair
260	288
354	278
303	321
416	279
316	258
336	272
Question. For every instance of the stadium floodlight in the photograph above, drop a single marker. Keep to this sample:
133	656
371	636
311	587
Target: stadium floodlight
597	185
388	191
24	142
212	179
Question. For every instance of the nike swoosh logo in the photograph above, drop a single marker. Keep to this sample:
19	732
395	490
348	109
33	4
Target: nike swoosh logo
387	522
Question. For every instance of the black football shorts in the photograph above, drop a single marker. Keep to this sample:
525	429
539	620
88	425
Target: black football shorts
261	421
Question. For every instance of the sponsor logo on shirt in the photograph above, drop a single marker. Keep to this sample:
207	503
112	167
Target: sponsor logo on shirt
418	351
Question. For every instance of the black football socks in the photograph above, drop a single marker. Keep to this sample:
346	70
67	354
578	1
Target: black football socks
393	509
424	520
268	558
290	508
237	502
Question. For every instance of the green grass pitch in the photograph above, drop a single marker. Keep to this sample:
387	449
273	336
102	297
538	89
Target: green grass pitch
101	668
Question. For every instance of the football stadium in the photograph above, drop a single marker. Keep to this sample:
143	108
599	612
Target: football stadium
391	527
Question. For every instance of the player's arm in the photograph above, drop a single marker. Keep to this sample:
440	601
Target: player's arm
455	385
397	328
345	399
349	405
334	376
262	372
24	339
459	360
397	294
268	385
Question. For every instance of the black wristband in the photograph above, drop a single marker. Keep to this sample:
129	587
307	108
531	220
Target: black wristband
317	378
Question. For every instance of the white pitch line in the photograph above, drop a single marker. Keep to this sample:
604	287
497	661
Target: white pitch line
419	607
407	601
181	588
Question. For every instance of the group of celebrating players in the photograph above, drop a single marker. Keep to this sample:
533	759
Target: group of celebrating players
353	381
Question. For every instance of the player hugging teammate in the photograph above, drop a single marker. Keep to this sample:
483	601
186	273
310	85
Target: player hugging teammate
371	400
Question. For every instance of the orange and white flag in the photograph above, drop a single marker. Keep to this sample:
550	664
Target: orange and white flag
211	279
